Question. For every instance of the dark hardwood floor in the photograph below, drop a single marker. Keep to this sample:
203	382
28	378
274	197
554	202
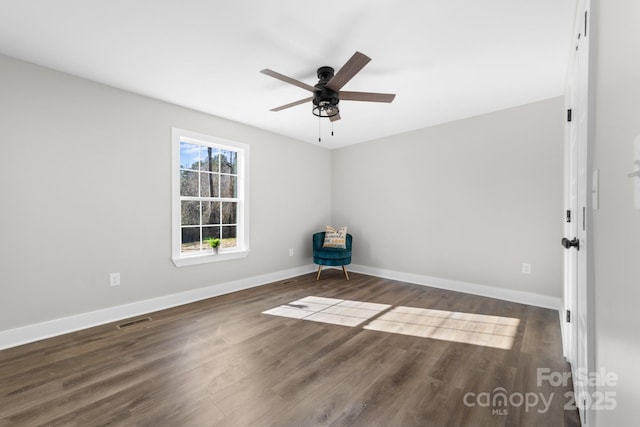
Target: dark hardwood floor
221	362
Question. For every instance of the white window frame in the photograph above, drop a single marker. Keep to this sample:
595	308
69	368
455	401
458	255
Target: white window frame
242	248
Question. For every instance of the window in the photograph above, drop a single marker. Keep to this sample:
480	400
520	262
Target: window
210	198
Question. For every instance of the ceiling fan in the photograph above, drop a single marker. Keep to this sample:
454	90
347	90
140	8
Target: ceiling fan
327	93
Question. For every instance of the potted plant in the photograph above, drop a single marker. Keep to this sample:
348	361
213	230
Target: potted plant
214	242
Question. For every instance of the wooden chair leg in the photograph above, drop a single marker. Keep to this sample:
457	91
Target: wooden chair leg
319	270
345	272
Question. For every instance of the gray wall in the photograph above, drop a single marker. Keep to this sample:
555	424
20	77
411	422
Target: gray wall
616	224
469	200
85	187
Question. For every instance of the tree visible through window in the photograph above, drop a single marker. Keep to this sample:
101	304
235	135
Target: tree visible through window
210	196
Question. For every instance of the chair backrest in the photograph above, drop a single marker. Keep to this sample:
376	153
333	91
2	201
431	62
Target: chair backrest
318	240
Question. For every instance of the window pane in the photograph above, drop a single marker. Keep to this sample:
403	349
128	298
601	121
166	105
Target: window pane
208	232
228	186
190	239
229	161
210	213
190	213
210	159
188	183
189	155
209	184
229	212
229	235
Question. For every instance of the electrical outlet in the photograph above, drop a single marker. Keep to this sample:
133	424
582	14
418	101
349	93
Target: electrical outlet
114	279
290	251
526	268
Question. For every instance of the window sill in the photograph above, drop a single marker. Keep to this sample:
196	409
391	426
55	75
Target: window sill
207	258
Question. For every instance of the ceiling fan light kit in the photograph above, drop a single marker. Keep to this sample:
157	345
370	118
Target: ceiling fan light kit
326	93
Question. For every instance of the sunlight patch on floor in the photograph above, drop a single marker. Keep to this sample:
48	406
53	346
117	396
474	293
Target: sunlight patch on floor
329	310
469	328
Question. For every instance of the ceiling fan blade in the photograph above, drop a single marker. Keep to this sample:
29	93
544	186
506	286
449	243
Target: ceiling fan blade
334	118
366	96
292	104
289	80
348	70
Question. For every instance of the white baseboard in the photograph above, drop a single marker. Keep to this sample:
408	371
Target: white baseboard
528	298
30	333
39	331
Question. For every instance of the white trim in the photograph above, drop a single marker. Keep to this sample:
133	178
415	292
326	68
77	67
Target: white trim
201	259
521	297
39	331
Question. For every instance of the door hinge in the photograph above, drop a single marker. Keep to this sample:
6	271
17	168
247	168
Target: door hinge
568	316
568	215
569	115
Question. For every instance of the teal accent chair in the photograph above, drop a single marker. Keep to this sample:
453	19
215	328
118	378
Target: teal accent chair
331	256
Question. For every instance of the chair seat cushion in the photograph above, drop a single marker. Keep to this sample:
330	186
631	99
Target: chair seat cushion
331	253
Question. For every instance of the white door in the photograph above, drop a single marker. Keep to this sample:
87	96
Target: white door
571	220
578	299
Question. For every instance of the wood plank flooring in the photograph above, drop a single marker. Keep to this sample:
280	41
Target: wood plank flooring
221	362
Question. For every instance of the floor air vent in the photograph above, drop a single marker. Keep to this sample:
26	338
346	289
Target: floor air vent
134	322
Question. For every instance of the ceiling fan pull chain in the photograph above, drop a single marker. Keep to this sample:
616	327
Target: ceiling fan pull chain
331	128
319	128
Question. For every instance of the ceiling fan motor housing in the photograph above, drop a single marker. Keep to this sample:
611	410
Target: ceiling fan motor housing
325	101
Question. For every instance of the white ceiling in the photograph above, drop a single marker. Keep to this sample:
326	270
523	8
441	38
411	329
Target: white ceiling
445	60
